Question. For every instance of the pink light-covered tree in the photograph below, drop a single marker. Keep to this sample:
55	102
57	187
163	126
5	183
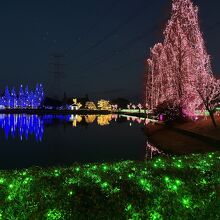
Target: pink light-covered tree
208	88
158	78
176	64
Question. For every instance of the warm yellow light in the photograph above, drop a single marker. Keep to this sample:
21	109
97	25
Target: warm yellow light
104	119
74	101
104	105
90	106
90	118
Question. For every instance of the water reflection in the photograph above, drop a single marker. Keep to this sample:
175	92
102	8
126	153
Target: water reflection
152	151
102	120
27	126
47	140
90	118
49	119
24	126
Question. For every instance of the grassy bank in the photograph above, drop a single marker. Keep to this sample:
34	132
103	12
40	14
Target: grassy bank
164	188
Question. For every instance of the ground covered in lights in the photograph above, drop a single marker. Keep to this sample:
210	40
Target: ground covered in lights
164	188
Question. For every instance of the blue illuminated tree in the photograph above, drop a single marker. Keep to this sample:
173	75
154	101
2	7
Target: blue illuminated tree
31	98
21	97
40	95
26	95
13	100
2	104
25	98
7	97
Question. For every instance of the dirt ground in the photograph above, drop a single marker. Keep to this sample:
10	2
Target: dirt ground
203	126
171	141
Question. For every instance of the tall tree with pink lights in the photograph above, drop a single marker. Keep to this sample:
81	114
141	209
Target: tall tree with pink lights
177	65
208	88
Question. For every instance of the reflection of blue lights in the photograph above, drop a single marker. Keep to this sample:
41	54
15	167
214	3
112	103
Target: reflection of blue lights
48	119
25	125
22	126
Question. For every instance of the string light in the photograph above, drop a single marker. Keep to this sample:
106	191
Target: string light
133	189
24	99
179	70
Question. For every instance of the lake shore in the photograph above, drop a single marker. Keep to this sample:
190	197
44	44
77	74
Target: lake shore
183	138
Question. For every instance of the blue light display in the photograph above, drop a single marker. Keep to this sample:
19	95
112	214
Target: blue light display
23	126
24	99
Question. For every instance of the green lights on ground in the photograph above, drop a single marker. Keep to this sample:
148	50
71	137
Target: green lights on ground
57	172
155	216
94	167
2	180
167	179
104	185
130	175
186	202
10	198
24	173
184	186
27	180
77	169
172	185
116	190
70	193
54	215
105	168
203	182
128	208
72	181
178	164
178	182
145	184
159	163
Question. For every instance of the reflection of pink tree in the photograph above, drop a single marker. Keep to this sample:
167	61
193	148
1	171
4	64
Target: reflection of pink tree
147	121
151	150
138	120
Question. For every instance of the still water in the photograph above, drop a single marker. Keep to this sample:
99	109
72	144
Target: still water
31	140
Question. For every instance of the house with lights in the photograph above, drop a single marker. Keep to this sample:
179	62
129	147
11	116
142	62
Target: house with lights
74	107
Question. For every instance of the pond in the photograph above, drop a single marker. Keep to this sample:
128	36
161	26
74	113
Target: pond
51	140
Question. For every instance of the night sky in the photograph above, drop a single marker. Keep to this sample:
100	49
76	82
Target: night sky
104	43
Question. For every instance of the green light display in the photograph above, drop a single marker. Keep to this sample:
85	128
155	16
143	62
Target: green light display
186	187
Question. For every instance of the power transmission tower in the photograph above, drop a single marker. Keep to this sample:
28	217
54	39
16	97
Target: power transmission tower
56	70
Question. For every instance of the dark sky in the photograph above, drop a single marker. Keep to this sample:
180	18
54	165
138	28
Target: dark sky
104	43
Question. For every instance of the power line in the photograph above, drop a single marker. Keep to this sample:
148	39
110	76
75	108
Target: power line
132	42
114	31
107	12
122	48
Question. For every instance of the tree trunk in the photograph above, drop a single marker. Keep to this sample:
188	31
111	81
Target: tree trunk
213	118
